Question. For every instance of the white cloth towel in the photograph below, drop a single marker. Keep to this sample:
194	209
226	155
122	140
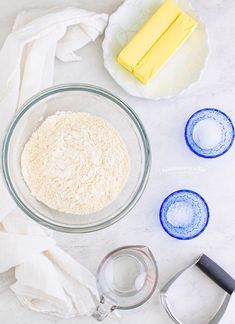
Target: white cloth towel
47	279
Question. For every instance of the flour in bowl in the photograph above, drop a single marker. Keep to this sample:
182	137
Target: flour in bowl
75	163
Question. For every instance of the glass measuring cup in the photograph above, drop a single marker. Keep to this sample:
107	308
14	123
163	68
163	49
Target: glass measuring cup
126	278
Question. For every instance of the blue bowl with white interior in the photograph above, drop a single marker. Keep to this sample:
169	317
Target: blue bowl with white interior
184	214
209	133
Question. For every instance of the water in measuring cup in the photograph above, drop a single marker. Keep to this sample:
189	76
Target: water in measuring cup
125	274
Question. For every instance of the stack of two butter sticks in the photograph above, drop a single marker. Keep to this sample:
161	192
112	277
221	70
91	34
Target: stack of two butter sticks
157	41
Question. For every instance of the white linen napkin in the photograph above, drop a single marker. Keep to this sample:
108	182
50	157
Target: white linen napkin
47	279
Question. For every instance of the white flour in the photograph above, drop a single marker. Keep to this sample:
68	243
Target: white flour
75	163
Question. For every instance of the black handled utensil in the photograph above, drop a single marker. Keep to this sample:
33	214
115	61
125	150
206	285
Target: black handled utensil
215	273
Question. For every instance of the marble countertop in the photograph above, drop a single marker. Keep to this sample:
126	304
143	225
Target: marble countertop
173	167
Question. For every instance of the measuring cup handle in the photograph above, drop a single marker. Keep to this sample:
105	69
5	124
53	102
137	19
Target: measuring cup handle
216	273
104	309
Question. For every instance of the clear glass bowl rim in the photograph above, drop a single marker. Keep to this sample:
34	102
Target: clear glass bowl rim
71	228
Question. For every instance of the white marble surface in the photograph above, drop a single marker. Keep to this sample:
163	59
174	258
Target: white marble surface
173	167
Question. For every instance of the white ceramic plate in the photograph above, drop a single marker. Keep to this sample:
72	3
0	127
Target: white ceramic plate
183	69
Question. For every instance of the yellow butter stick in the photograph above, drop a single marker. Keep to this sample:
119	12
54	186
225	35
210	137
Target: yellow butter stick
148	35
164	48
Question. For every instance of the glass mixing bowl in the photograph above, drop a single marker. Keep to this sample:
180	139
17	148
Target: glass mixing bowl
90	99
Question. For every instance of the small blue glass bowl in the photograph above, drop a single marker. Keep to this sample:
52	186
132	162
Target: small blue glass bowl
227	132
189	201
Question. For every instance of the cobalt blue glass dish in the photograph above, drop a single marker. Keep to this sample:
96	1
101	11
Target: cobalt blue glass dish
227	132
199	214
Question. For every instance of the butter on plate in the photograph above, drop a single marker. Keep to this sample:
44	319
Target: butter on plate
145	38
157	41
164	48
